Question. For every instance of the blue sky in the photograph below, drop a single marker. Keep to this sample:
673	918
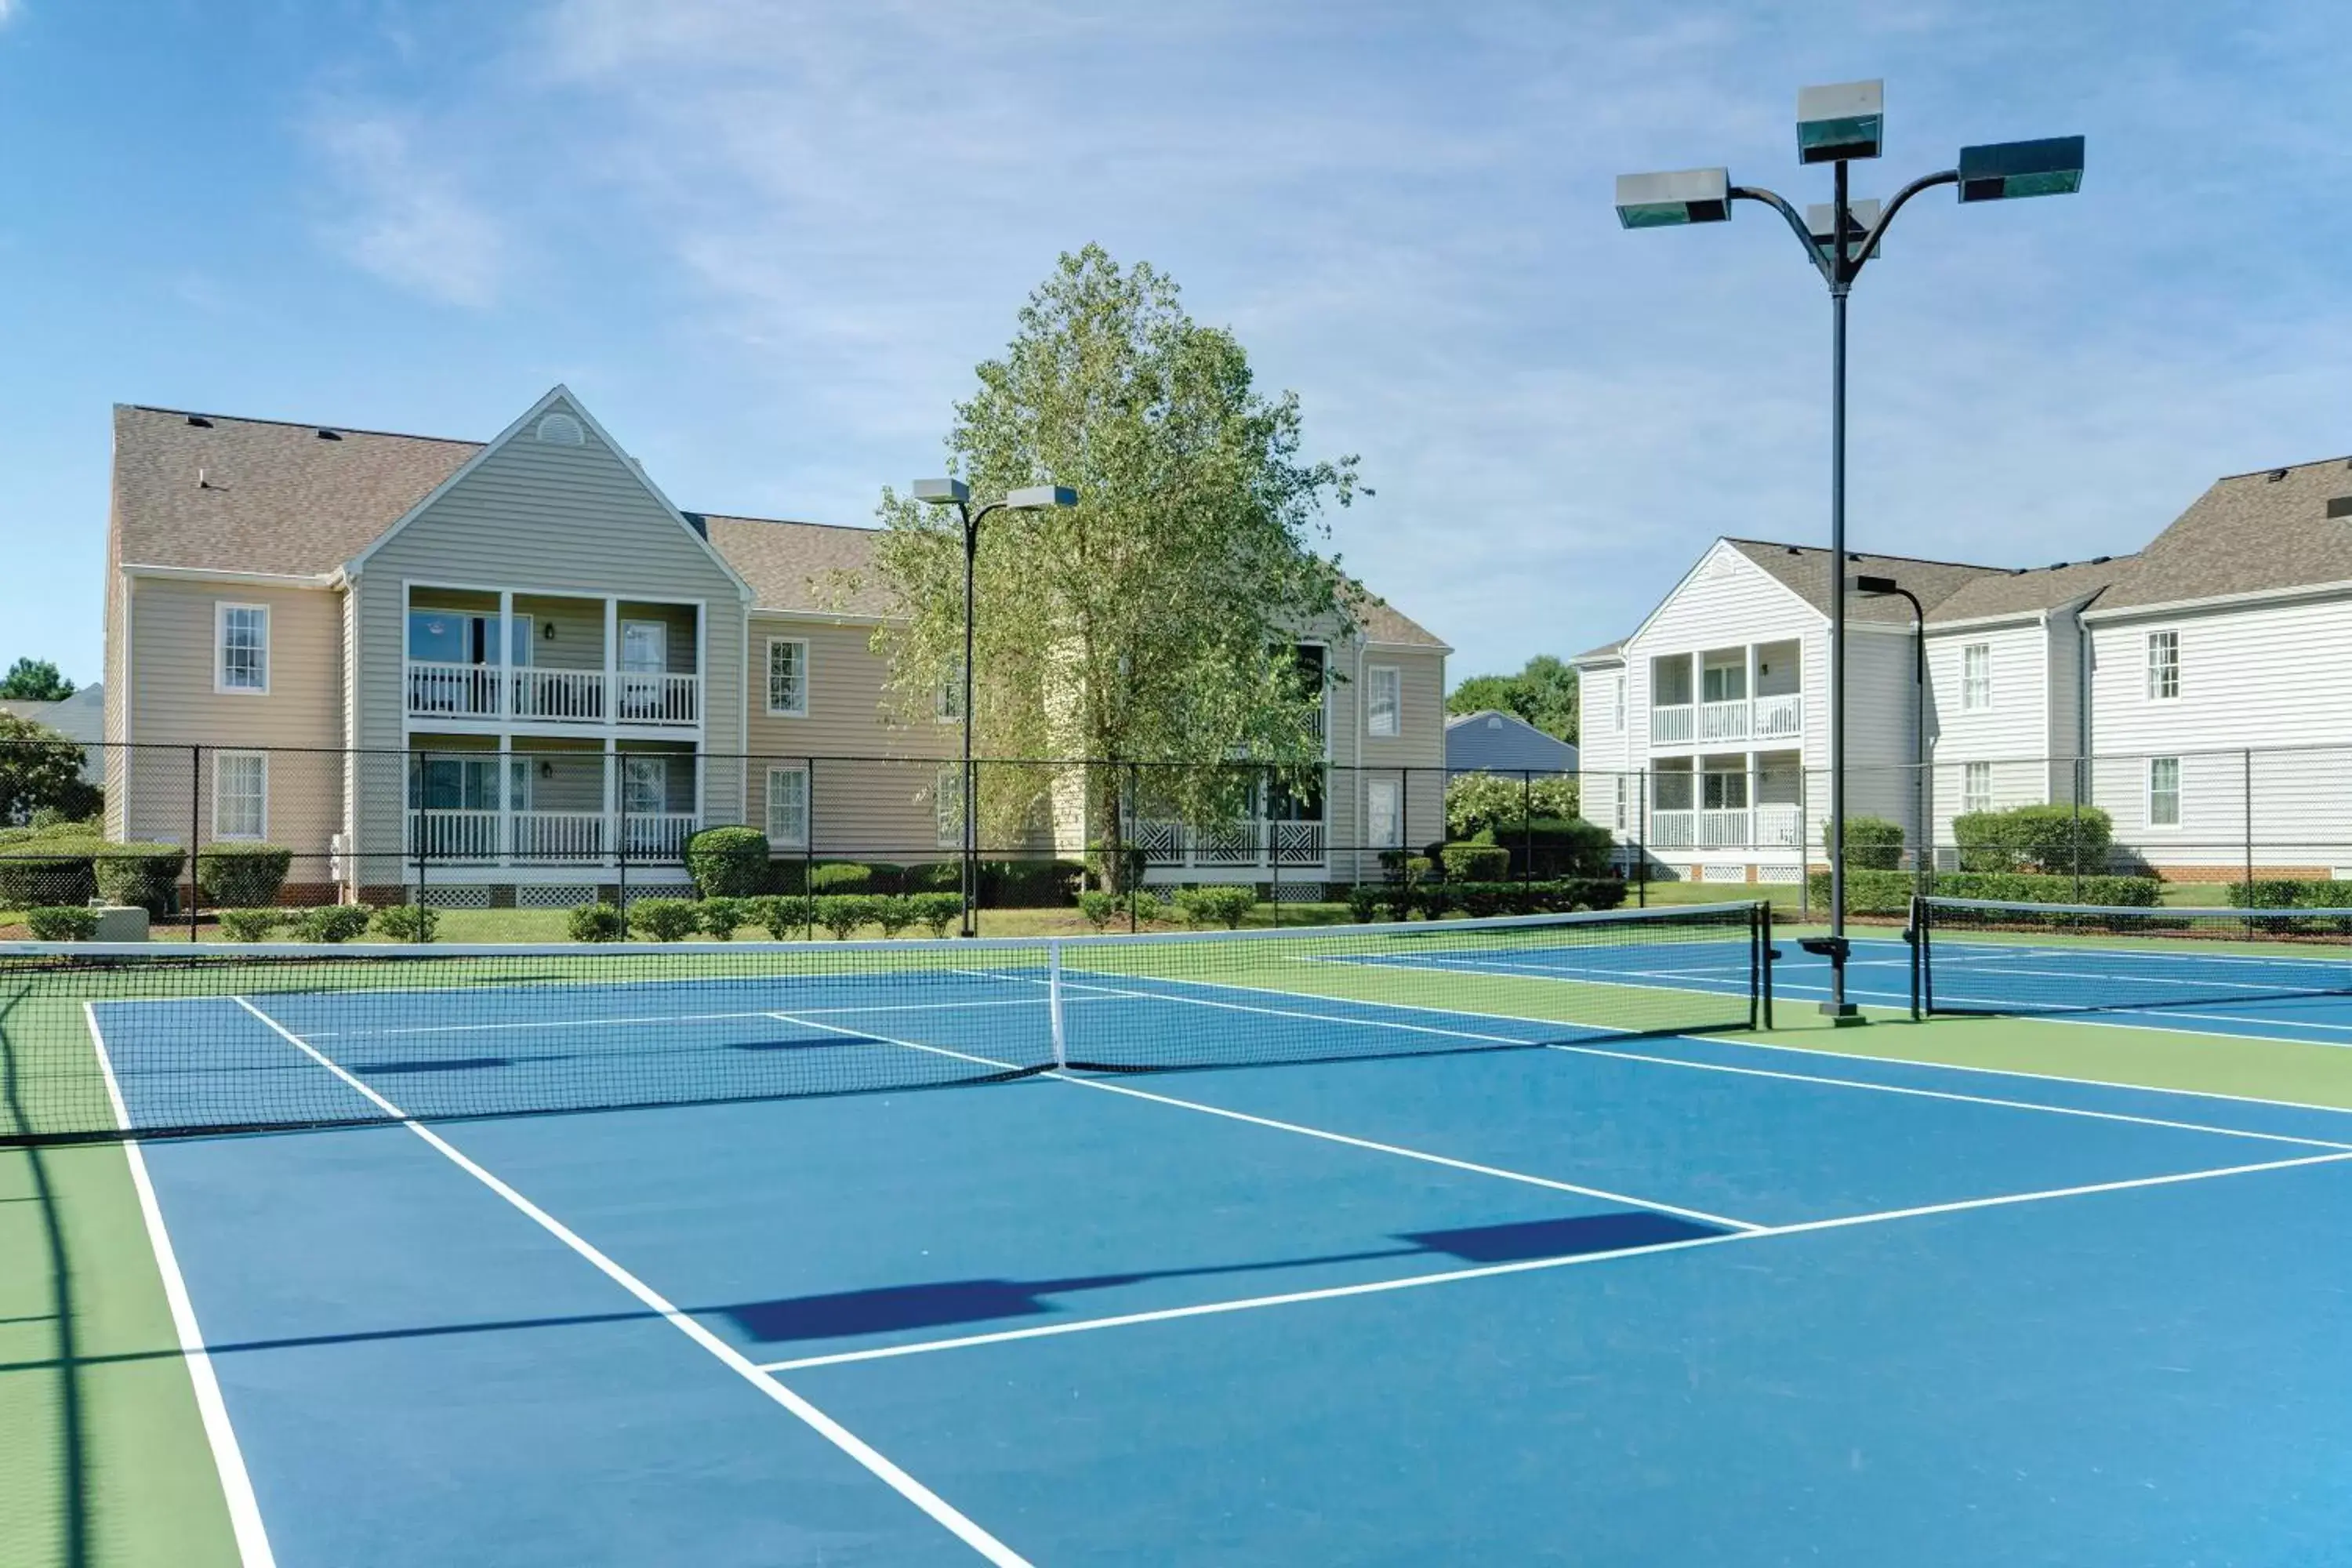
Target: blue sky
767	243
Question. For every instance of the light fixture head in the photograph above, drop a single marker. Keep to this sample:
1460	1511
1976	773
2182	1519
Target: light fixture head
1873	588
1859	216
1040	497
1676	198
942	492
2003	170
1842	122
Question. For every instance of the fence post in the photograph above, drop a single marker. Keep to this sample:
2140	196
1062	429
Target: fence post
2248	756
1273	846
196	829
1129	870
2074	841
1526	828
1804	842
424	827
620	785
1642	841
808	853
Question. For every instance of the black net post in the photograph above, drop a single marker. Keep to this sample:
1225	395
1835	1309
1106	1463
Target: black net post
1916	934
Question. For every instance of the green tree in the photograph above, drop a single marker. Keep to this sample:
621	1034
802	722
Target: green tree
1153	622
40	770
35	681
1544	694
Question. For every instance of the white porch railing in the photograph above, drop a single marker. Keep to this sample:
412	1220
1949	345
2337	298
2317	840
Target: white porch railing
660	698
560	835
1673	829
1723	721
559	696
1723	828
1238	846
658	835
1672	726
453	835
546	837
1778	826
454	690
1780	716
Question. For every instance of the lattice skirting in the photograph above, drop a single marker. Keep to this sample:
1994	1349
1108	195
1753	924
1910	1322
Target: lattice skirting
559	895
454	895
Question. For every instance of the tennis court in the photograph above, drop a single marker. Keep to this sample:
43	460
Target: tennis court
1505	1241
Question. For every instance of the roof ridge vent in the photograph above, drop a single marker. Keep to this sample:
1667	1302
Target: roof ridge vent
200	422
2275	476
326	435
2340	506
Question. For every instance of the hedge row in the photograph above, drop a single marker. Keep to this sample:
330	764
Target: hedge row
62	871
1889	892
785	917
2288	893
1369	901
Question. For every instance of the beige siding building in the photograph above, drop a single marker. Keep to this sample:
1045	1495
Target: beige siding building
516	672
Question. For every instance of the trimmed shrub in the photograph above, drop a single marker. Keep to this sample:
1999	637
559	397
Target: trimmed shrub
1145	906
1029	884
1872	843
727	862
785	917
2049	839
57	874
140	874
837	876
840	914
242	876
1500	802
938	876
1480	899
1098	908
665	920
331	923
1131	858
250	925
1553	846
937	911
1472	862
62	922
596	922
786	876
406	922
1889	892
1366	902
887	879
1214	906
721	916
894	913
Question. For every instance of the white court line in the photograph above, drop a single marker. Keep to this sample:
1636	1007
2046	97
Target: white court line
1326	1135
840	1436
1527	1266
656	1019
1971	950
2011	1007
1919	1093
228	1459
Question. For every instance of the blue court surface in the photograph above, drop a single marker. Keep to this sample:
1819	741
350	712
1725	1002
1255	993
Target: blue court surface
1654	1301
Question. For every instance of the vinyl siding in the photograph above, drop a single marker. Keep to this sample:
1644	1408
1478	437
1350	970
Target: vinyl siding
1414	757
2014	735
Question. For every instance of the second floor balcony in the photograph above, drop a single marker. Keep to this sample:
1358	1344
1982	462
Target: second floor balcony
1751	693
553	660
438	690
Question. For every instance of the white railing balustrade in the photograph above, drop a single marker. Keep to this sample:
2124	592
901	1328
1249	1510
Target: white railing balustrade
1723	829
560	835
454	690
1670	726
1162	843
658	835
1242	845
1299	844
453	835
1723	721
646	699
547	838
559	696
1778	826
1779	718
550	695
1673	829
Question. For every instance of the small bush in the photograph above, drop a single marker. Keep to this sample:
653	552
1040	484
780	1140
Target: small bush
727	862
887	879
406	922
1469	862
1872	843
2049	839
894	913
937	911
332	923
1365	902
840	877
62	922
665	920
139	874
1553	846
722	915
57	874
1099	909
938	876
840	914
785	917
242	876
250	925
595	922
1226	906
786	877
1029	884
1889	892
1481	900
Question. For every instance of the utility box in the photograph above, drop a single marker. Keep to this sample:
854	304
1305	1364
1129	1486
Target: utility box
117	924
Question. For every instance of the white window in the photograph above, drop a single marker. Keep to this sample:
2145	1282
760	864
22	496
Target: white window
645	648
240	794
947	795
1384	818
242	637
788	664
2163	665
2164	792
1976	786
1976	678
949	704
788	808
1381	700
1617	703
645	785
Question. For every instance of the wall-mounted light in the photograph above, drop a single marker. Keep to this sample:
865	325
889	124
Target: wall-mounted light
546	769
547	631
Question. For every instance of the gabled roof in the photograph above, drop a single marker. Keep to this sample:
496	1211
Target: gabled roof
1804	569
1491	739
2034	590
1601	654
801	566
2247	534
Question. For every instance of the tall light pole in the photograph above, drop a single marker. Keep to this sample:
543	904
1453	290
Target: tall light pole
957	494
1834	126
1921	847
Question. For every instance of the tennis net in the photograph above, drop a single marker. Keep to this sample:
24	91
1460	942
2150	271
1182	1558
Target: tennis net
1975	955
101	1042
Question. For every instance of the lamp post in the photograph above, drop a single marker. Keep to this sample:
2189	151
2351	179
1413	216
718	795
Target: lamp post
1836	125
957	494
1879	588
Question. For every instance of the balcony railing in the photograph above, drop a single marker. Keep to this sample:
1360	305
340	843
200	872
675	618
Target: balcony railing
1672	726
1771	825
1779	718
1723	721
546	837
1236	845
550	696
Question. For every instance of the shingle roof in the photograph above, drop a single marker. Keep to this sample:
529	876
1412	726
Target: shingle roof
2040	588
2249	532
1605	651
1804	569
225	494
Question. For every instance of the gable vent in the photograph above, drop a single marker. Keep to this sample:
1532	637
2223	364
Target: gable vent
2340	507
561	430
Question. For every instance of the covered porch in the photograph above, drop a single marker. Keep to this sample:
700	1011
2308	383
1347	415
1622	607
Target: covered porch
555	805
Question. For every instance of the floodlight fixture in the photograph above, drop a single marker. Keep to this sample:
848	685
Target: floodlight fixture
942	492
1041	497
1821	217
1995	172
1874	587
1839	122
1675	198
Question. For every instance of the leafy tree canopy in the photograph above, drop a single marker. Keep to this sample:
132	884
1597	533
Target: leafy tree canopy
1544	694
1153	622
40	771
35	681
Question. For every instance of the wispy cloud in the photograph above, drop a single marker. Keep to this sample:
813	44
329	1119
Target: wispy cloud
405	217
